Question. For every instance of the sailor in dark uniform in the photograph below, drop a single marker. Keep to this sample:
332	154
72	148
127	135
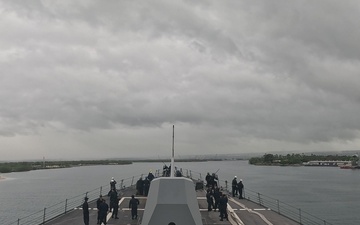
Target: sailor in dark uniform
216	195
222	207
150	176
140	186
146	186
234	185
115	208
208	179
165	168
240	188
112	184
103	211
113	196
98	202
85	207
209	199
133	205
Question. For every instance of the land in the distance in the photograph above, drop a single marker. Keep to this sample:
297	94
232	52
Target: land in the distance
8	167
298	159
266	159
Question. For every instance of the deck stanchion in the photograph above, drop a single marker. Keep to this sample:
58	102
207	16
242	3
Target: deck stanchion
100	190
66	205
44	216
226	185
18	222
324	222
190	174
259	198
122	182
132	181
200	177
300	216
278	206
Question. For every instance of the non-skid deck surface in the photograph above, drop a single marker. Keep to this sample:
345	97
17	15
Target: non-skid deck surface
246	211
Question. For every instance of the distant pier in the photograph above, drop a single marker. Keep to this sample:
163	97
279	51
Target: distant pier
334	163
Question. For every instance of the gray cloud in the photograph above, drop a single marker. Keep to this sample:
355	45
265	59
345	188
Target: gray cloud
233	77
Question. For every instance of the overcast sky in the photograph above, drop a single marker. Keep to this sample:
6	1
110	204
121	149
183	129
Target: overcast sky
101	79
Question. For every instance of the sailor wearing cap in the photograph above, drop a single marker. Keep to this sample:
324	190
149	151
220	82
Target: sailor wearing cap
112	184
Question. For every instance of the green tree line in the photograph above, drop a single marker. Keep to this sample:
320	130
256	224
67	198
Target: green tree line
8	167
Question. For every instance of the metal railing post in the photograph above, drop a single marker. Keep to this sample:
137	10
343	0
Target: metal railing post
300	216
190	174
259	198
132	180
226	185
200	177
100	190
122	182
18	221
66	205
278	206
44	215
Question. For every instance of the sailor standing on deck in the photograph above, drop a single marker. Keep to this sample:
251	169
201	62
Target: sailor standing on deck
103	211
234	185
112	184
140	186
222	207
85	207
146	186
98	202
116	208
208	179
216	195
113	196
150	176
209	199
133	204
240	188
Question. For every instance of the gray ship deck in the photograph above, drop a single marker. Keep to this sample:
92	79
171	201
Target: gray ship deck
241	211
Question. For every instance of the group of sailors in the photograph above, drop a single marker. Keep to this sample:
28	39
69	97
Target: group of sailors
143	186
103	208
215	198
237	188
211	180
167	171
218	200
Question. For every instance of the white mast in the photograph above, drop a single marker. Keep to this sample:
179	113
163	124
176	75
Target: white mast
172	156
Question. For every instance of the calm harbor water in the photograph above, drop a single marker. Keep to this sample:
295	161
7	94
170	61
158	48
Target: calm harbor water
331	194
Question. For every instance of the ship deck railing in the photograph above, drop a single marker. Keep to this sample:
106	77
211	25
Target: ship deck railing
52	212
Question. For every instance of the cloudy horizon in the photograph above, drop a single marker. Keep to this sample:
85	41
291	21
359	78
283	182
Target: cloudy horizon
95	79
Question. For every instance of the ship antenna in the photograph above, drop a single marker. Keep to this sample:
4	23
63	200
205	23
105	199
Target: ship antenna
172	156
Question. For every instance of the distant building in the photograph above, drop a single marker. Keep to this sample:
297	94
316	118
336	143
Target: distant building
327	163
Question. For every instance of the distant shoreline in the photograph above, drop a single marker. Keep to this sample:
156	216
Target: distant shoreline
9	167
